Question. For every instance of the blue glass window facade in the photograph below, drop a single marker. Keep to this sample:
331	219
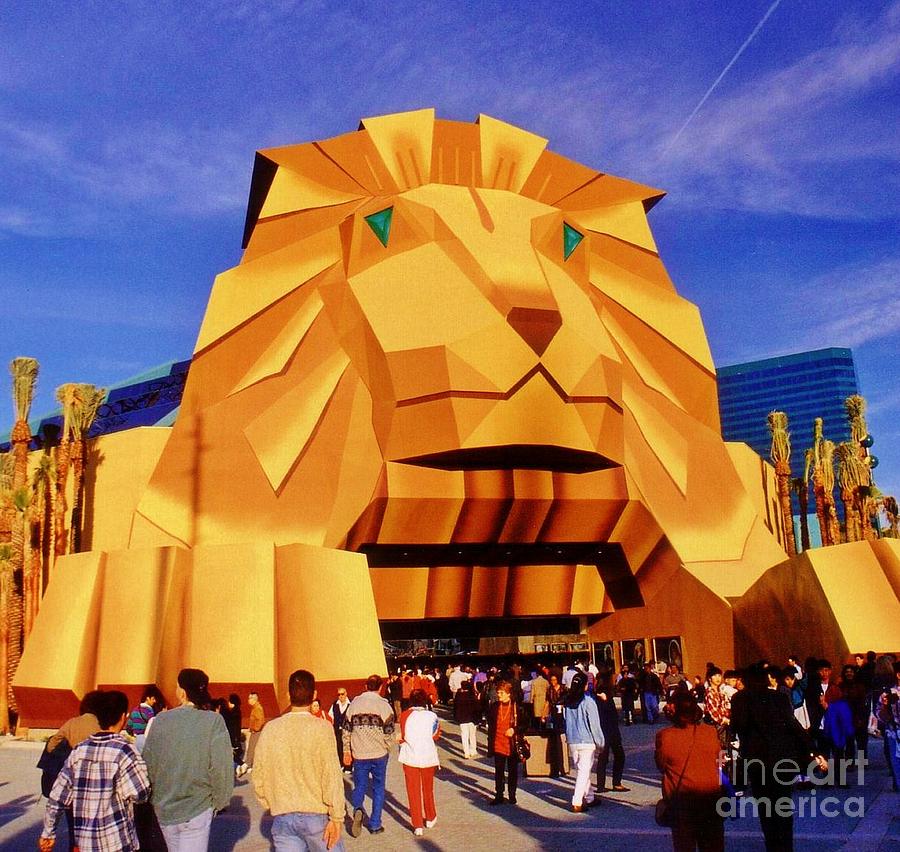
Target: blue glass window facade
805	386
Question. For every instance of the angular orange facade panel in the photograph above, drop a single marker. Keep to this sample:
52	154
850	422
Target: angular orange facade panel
817	600
450	379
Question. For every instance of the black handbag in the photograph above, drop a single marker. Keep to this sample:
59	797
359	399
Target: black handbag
665	808
520	741
523	748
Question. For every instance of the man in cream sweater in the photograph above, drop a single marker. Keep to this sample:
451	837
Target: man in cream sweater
297	776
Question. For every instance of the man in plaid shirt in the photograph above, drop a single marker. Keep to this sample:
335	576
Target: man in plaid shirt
101	780
718	705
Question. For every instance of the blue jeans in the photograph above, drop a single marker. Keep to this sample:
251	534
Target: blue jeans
377	768
892	750
296	832
190	836
651	706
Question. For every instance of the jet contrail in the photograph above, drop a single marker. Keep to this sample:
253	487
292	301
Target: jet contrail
725	70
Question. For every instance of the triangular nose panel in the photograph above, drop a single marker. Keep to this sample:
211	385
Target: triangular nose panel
535	326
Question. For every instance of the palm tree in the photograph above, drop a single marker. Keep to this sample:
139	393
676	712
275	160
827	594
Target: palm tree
815	454
854	477
24	373
6	477
800	487
6	582
41	528
855	406
834	530
65	394
84	410
781	458
874	505
18	500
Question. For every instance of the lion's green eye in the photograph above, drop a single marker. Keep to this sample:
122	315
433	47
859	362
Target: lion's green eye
571	238
380	223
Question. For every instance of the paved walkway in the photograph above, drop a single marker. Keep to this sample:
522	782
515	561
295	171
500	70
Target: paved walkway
540	821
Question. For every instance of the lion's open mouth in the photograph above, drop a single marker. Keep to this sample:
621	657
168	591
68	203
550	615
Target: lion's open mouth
512	456
607	557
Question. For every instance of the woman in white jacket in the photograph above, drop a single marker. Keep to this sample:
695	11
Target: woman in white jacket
585	736
419	728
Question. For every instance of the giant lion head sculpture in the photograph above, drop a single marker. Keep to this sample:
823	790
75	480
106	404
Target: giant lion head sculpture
460	353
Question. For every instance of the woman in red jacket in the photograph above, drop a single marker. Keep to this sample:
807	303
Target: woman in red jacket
504	720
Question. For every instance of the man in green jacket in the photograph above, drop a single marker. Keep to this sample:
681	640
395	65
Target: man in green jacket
189	758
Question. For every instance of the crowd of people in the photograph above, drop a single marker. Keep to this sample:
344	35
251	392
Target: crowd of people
770	729
153	778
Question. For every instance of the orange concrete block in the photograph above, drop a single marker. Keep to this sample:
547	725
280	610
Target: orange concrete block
539	589
449	589
488	596
59	663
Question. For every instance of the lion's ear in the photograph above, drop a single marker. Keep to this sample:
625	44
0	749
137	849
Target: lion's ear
263	175
296	178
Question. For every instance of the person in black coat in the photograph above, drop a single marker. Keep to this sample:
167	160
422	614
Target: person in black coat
628	689
770	734
230	708
609	724
467	712
556	725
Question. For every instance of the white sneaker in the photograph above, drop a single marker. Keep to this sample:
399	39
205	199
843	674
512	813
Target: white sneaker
430	823
419	832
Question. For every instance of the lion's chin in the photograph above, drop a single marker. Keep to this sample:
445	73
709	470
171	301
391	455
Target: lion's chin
515	456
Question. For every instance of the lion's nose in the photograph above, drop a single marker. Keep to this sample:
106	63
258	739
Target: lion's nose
536	326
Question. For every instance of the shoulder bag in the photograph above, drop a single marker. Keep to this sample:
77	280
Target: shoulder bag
520	742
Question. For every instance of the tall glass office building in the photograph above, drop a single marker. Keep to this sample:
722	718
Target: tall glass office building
805	386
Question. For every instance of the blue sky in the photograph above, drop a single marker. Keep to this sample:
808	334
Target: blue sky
127	134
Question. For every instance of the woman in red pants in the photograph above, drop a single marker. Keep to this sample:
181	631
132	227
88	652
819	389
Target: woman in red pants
419	728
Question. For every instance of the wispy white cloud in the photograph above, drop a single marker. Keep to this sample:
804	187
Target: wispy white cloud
773	142
759	148
194	170
885	405
852	305
75	185
22	221
266	13
729	65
